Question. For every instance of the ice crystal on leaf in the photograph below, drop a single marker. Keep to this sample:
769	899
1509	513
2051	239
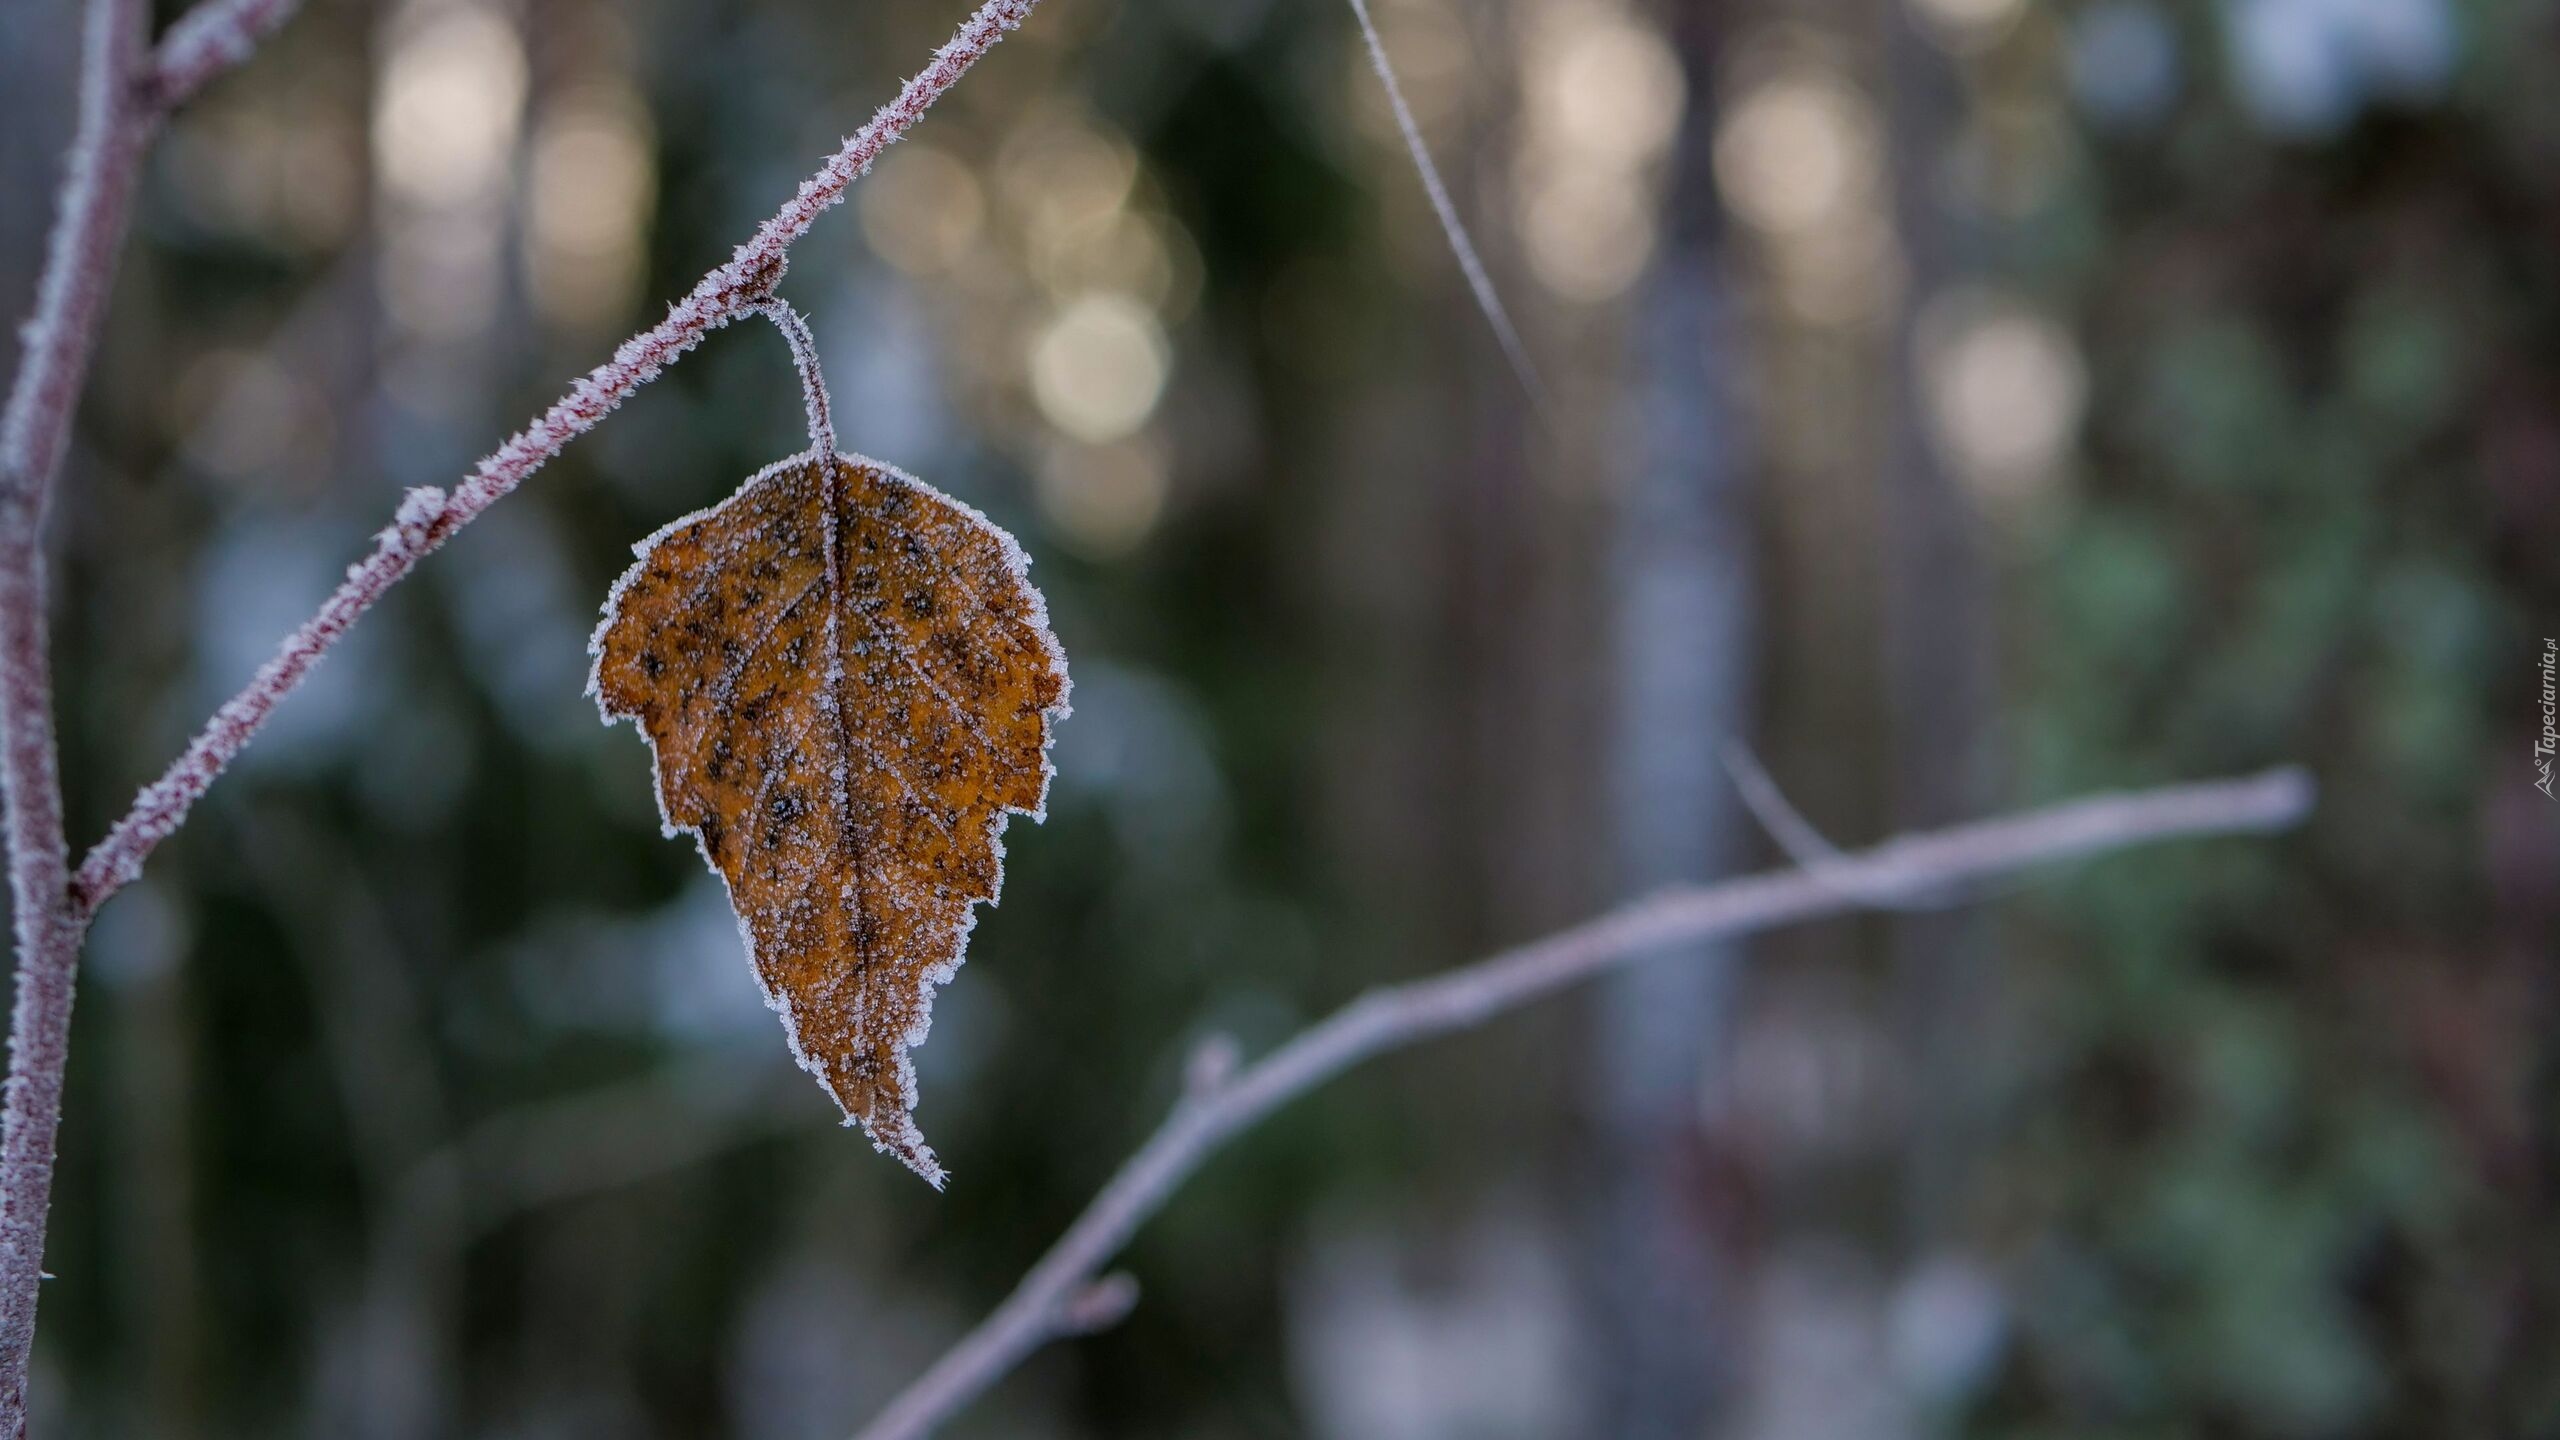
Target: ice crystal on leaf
848	684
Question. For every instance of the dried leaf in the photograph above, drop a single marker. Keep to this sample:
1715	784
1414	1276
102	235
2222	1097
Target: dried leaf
847	683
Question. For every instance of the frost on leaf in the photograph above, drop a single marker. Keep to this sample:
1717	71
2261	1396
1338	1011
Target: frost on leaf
848	683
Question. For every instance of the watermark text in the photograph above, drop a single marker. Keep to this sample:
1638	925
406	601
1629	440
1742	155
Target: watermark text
2545	745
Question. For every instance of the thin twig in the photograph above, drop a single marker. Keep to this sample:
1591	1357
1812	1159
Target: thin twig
1460	244
1808	848
215	36
1041	1307
429	517
88	230
813	379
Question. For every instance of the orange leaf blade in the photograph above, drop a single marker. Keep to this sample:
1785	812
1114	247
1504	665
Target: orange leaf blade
848	684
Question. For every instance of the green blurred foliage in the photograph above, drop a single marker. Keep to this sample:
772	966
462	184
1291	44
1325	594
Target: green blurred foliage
2290	1177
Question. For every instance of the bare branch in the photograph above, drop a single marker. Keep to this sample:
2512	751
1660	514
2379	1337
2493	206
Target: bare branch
48	947
1796	836
214	37
1402	1015
429	516
88	229
1460	244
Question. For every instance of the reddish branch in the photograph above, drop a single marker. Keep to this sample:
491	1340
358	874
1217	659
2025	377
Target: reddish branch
88	229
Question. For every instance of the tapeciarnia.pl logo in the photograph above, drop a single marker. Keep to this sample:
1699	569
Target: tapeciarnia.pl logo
2544	747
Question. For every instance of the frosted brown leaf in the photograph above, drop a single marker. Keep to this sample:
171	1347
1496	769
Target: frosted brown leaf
848	683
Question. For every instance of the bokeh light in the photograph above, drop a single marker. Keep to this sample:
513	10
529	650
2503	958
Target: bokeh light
1603	97
446	118
1797	153
921	208
447	112
1103	499
590	188
1099	365
1967	25
2005	387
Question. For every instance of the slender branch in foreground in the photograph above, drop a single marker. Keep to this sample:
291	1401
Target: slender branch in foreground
1044	1306
88	229
429	516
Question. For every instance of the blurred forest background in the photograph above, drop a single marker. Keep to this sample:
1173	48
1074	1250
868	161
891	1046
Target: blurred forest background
1965	402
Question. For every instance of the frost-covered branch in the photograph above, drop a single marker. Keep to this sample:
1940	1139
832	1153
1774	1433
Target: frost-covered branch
1046	1305
428	517
215	36
88	229
80	255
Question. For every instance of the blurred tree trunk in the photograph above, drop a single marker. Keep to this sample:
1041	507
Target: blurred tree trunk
1683	617
1940	657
